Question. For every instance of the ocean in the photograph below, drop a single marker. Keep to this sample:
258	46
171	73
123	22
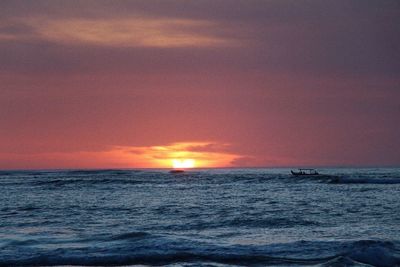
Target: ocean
214	217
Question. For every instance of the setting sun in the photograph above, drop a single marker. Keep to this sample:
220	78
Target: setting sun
183	163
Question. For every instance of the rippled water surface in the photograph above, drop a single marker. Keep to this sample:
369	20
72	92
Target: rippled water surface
244	217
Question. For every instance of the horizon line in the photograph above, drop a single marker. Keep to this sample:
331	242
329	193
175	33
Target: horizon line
211	168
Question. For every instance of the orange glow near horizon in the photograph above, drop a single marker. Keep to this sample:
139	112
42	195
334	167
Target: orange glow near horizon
183	163
176	155
185	155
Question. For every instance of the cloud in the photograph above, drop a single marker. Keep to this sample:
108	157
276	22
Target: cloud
118	32
337	39
11	30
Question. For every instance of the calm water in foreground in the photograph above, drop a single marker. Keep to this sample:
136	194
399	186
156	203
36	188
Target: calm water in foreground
244	217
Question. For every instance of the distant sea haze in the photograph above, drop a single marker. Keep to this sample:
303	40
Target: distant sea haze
215	217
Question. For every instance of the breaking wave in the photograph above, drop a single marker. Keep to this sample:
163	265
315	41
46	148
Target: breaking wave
164	251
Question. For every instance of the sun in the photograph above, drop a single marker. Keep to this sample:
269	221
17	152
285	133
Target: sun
183	163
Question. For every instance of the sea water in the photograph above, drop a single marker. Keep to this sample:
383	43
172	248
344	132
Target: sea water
219	217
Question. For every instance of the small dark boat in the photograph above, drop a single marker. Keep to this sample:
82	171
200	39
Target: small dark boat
176	171
312	173
305	172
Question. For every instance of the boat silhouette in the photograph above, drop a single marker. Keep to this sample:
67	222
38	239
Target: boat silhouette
305	172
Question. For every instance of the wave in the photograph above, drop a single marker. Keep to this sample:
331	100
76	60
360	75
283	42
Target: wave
158	259
102	171
275	222
376	253
361	180
85	181
131	236
164	251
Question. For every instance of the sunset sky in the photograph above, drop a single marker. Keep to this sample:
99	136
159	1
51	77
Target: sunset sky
225	83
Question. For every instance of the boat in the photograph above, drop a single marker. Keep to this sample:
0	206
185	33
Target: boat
313	173
305	172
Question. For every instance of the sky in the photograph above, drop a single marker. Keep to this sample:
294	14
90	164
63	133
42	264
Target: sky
218	83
